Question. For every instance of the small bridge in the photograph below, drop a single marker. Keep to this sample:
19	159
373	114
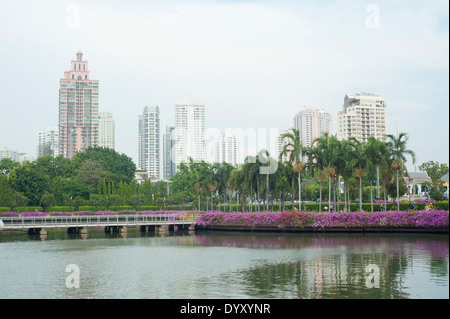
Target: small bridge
80	223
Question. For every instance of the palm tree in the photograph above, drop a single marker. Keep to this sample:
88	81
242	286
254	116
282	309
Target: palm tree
294	150
373	155
346	153
398	151
265	167
323	155
283	183
360	164
222	172
320	178
235	181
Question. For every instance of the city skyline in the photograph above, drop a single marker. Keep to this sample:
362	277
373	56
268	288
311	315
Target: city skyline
255	73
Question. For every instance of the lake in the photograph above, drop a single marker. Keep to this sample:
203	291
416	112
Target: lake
224	265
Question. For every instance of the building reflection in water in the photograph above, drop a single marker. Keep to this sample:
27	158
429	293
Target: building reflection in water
338	265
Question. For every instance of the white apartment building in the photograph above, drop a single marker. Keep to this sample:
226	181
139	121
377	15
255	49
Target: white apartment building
312	123
226	149
362	115
14	155
106	130
48	142
189	132
149	154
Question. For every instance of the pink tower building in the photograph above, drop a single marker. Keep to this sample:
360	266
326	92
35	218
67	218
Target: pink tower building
78	109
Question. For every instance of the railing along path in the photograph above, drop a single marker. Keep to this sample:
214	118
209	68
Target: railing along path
98	220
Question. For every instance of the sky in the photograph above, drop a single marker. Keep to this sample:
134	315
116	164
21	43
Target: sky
253	64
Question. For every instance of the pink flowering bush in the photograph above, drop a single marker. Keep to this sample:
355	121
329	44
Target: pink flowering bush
9	214
435	218
33	214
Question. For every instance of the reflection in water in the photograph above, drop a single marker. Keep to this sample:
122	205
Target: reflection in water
226	265
341	265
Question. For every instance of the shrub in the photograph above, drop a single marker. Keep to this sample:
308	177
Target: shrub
28	209
61	209
91	208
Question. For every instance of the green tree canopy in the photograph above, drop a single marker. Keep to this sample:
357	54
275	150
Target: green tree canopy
120	166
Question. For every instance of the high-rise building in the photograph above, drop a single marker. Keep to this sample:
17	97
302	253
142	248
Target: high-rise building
9	153
78	109
325	122
227	149
362	115
106	130
189	132
48	142
14	155
149	142
168	152
312	123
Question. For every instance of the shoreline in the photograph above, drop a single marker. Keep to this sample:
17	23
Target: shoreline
332	229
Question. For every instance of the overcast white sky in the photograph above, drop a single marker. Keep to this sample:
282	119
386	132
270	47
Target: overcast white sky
254	64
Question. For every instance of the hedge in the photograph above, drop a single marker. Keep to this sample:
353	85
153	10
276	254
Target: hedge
61	209
354	207
28	209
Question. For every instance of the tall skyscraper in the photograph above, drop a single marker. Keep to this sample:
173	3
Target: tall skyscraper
362	115
107	130
78	109
189	132
226	149
312	123
169	152
48	142
149	142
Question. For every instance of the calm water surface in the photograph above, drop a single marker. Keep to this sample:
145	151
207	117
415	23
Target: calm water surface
225	265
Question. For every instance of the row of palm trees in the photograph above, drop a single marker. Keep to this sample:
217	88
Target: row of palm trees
327	158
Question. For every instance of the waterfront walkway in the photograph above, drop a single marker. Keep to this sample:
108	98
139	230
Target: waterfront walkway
158	222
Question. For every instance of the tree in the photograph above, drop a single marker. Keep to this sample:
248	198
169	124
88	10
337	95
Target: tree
26	179
361	165
236	181
8	196
7	165
74	188
320	178
120	166
434	170
91	172
294	150
398	151
47	201
375	153
323	154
